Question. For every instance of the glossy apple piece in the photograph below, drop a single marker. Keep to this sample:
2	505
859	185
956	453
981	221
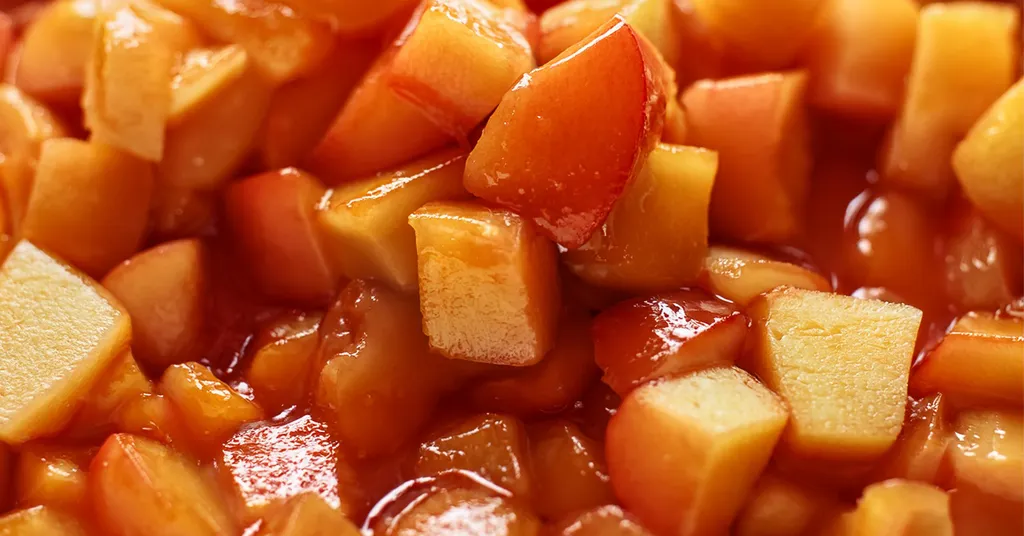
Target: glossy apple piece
984	162
684	452
656	236
307	514
571	22
767	35
706	58
280	368
164	290
740	276
920	449
607	520
301	111
365	223
140	486
530	158
988	452
976	363
211	409
466	250
780	507
178	213
53	476
273	217
568	468
50	309
841	363
982	264
89	203
120	383
54	51
644	339
980	514
40	521
154	416
857	77
964	58
758	125
200	75
550	386
902	508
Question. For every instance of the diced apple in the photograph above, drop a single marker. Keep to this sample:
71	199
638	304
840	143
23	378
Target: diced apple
684	452
607	520
902	508
781	507
568	468
366	223
531	158
52	476
984	162
759	127
154	416
983	265
841	363
919	452
964	58
766	34
211	409
285	351
120	383
988	452
54	51
182	213
307	514
201	75
164	290
142	487
465	251
40	521
273	217
854	76
656	236
550	386
706	56
571	22
50	310
644	339
977	362
740	276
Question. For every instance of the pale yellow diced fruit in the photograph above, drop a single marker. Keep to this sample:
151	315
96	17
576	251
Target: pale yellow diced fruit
902	508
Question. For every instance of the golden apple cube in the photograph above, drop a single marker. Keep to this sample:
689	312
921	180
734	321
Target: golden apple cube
988	452
740	276
841	363
58	332
52	476
40	521
212	409
204	73
902	508
307	514
488	284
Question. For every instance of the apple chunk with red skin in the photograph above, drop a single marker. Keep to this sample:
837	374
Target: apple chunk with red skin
531	156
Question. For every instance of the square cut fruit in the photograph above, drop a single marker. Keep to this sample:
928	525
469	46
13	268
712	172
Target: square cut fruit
740	276
919	452
571	22
54	52
58	332
120	383
780	507
983	265
684	452
988	452
53	476
569	473
768	35
40	521
202	73
488	284
154	416
286	349
841	363
211	409
902	508
307	514
530	157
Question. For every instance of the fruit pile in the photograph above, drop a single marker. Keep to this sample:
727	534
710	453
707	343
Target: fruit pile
511	268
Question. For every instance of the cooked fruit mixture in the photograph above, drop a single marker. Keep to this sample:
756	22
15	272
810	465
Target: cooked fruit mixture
511	268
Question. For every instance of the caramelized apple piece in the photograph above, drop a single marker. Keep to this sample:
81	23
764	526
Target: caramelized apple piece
466	250
210	408
780	507
706	58
988	452
964	58
919	451
984	162
902	508
550	386
568	468
758	126
571	22
164	290
120	383
307	514
855	76
530	157
684	452
40	521
203	73
52	476
842	365
978	362
656	236
154	416
54	51
48	309
603	521
273	217
644	339
140	486
767	34
280	368
366	223
182	213
983	265
740	276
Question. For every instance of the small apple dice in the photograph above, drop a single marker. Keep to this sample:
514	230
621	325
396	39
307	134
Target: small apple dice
139	486
52	476
988	452
164	290
740	276
182	213
89	203
307	514
120	383
781	507
841	363
569	473
656	236
983	265
765	34
50	310
977	362
366	223
154	416
531	157
707	59
919	452
684	452
211	409
902	508
758	125
607	520
467	251
54	51
286	349
571	22
202	74
644	339
40	521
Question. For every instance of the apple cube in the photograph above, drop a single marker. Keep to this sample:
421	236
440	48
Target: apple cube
273	216
988	453
54	52
164	290
465	251
668	334
52	476
530	157
985	159
307	514
902	508
841	363
656	236
280	368
706	58
48	309
201	75
571	22
182	213
965	57
607	520
740	276
569	473
766	34
40	521
139	486
210	408
366	223
781	507
983	265
120	383
919	452
758	125
684	452
155	416
977	362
